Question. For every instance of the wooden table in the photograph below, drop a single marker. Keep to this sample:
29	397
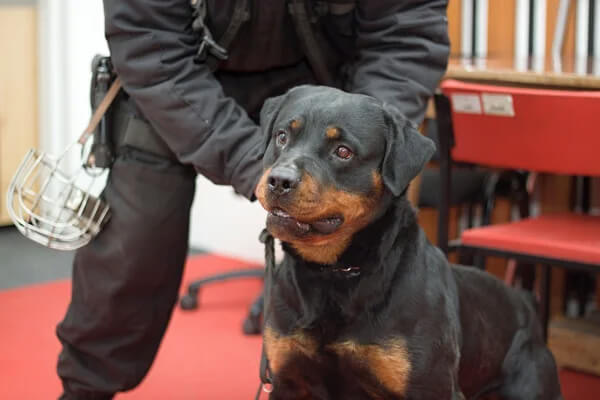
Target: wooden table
563	74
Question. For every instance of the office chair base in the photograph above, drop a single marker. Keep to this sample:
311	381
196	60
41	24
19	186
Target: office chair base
189	301
252	326
253	322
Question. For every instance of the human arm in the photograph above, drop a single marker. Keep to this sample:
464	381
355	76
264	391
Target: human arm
403	52
152	48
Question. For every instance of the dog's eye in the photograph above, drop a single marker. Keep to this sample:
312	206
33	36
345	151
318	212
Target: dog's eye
344	152
281	138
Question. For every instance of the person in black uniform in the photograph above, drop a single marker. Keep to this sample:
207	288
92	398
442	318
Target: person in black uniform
189	110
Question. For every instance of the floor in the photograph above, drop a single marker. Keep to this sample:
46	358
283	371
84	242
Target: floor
28	346
24	262
204	354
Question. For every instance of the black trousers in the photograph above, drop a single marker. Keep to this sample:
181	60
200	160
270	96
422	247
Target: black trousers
126	281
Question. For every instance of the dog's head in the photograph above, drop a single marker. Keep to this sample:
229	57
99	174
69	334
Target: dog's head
332	162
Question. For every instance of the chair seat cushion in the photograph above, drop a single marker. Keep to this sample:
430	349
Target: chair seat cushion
563	236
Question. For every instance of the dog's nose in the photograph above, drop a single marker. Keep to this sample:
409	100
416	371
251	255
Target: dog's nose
283	180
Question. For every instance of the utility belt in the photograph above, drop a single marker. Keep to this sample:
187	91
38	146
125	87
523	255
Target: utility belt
121	126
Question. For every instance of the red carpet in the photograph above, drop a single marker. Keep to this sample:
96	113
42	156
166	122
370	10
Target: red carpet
204	354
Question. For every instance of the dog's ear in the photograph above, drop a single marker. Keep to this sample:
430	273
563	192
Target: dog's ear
268	115
407	151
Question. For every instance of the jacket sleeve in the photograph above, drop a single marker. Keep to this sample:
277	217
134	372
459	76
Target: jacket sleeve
152	47
403	52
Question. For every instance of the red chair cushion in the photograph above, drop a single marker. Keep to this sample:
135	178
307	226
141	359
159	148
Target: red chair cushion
564	236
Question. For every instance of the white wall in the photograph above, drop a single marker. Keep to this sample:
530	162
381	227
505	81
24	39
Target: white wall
225	223
71	33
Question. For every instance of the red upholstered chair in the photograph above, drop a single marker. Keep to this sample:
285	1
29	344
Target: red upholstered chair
548	131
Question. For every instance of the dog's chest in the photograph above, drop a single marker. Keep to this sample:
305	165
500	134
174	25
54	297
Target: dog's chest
303	368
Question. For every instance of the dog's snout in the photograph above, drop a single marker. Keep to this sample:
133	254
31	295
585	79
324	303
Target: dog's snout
283	180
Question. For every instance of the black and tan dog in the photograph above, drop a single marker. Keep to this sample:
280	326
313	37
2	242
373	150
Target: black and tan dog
363	306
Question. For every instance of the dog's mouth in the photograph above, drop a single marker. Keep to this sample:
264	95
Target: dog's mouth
323	226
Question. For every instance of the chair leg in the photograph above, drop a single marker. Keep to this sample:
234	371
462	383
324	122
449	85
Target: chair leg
190	300
470	214
585	194
445	137
471	257
465	257
520	194
545	282
511	269
583	290
253	323
489	198
525	273
479	261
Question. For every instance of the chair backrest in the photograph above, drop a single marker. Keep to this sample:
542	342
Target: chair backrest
555	131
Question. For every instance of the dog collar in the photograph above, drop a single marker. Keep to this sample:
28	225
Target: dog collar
345	271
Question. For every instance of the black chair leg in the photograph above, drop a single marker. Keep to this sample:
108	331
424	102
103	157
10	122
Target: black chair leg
479	262
525	274
190	300
584	289
489	198
545	283
253	323
487	207
445	137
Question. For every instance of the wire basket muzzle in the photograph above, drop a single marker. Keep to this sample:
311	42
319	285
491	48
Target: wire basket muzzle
52	207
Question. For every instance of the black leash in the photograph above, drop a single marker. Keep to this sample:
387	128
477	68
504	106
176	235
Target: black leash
266	384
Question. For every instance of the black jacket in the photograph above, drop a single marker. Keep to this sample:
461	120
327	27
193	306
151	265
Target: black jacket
394	50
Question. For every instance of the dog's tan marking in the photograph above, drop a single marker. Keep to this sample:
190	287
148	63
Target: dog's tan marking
377	182
389	362
312	202
261	189
296	124
323	253
332	132
280	348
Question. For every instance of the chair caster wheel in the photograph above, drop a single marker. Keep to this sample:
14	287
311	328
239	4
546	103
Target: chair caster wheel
252	326
188	302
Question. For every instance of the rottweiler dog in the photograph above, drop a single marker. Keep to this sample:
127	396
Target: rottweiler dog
363	306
